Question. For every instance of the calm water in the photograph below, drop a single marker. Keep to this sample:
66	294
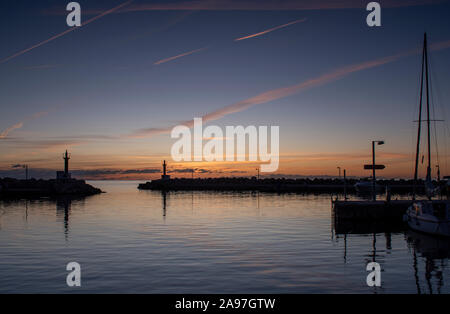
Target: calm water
132	241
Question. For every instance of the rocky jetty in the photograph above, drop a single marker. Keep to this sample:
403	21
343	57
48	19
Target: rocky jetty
45	188
304	185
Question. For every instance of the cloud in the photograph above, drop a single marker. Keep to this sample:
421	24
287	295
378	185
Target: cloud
178	56
49	173
18	166
19	125
251	5
344	156
44	144
272	5
40	67
5	133
191	170
64	33
270	30
289	90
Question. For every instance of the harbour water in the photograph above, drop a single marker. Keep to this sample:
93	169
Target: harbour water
131	241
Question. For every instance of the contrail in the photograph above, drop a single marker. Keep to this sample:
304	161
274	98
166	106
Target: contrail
5	133
290	90
65	32
238	39
269	5
270	30
178	56
19	125
256	5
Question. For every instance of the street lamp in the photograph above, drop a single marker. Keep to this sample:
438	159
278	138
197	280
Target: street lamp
339	172
438	173
373	168
24	167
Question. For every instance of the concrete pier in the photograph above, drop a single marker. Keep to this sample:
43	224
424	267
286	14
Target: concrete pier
370	210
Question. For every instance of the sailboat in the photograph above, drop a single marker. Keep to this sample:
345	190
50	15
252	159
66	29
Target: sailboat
429	216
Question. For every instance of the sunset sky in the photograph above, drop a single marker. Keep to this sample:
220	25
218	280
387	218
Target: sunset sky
111	90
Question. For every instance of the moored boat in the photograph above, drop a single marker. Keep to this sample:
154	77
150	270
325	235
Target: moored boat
428	216
431	217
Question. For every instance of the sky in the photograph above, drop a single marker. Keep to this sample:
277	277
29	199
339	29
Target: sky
111	90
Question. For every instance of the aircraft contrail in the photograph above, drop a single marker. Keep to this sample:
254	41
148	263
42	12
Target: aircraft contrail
278	93
270	30
178	56
19	125
5	133
65	32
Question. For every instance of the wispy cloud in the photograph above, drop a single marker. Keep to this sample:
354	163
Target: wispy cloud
178	56
64	33
40	67
251	5
238	39
272	5
5	133
324	156
20	124
270	30
290	90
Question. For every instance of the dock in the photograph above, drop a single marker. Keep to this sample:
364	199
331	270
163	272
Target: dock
281	185
370	210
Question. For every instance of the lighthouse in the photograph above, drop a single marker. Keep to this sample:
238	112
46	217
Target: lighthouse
66	158
164	175
64	175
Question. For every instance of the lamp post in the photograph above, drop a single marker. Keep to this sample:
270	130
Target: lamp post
374	180
339	172
345	185
438	173
23	167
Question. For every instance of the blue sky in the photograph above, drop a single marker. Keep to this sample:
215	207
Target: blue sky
100	80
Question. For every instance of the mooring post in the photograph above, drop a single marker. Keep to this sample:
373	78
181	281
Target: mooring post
374	197
345	186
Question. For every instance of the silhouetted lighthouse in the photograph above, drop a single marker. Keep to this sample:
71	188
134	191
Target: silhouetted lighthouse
66	158
164	175
64	175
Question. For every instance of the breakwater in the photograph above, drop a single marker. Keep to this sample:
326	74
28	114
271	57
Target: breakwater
272	185
42	188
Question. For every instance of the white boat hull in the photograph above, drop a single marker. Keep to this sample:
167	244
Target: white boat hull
427	222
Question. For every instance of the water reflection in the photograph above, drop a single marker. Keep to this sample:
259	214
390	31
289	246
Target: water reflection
63	208
2	212
436	252
164	202
25	208
429	253
154	242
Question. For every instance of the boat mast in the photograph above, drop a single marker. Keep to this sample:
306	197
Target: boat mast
428	111
419	128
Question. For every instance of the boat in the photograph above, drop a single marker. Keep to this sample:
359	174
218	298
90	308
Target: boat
365	186
428	216
432	253
432	217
